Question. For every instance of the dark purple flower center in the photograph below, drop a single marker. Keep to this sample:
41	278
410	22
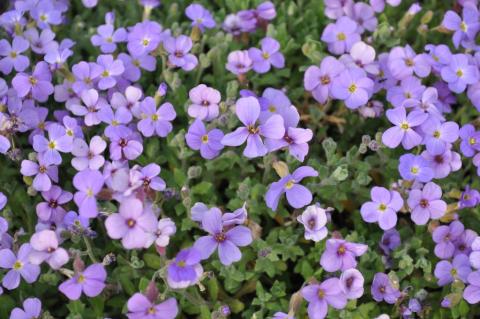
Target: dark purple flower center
42	169
252	129
50	250
205	103
438	159
123	142
382	289
312	223
240	66
341	250
424	203
288	139
220	237
325	79
178	54
349	282
53	203
146	182
130	223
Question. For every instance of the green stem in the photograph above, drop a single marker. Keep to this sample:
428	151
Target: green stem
88	244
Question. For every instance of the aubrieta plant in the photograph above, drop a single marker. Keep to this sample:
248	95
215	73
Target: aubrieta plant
239	159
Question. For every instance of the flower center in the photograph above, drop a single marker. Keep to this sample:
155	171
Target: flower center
89	192
151	311
352	88
32	80
341	250
115	123
349	282
42	169
123	142
105	74
424	203
312	223
81	279
52	145
438	159
405	126
459	73
321	293
472	140
220	237
252	129
289	184
265	55
205	103
205	139
463	26
453	272
109	39
181	263
325	79
436	134
382	207
272	109
131	223
409	62
53	203
17	265
341	36
13	54
414	170
146	42
154	117
382	289
178	54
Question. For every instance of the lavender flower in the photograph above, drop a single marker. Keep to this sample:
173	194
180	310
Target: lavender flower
437	136
140	307
51	208
319	80
320	296
88	183
38	84
144	37
248	112
125	144
269	55
403	131
185	270
110	69
314	219
297	195
444	236
470	140
201	17
426	203
390	241
404	62
341	35
19	266
340	255
209	143
239	62
353	86
92	105
44	172
58	141
465	29
156	121
351	281
446	271
415	167
178	52
225	240
85	75
32	308
165	229
45	248
460	73
13	59
88	156
90	281
107	38
383	208
383	290
204	102
472	293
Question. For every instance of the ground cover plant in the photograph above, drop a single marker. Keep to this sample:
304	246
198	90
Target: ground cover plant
239	159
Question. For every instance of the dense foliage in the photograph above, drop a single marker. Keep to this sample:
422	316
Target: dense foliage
240	159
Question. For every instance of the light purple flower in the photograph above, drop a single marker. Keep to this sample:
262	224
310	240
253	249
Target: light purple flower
239	62
269	55
44	172
45	13
88	156
45	248
443	164
140	307
297	195
201	17
383	208
178	52
446	271
470	140
404	62
459	73
90	281
426	203
185	270
165	229
415	167
209	143
58	141
32	308
383	290
88	183
3	203
335	9
403	131
92	105
364	15
110	70
341	35
134	223
407	94
472	293
351	281
353	86
107	38
12	57
390	241
314	219
227	241
340	254
117	120
86	73
144	37
444	237
465	29
361	55
125	144
320	296
19	266
51	208
155	120
319	80
38	84
204	102
134	65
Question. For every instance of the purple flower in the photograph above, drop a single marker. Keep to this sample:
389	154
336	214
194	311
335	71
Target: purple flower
3	203
335	9
209	143
248	111
437	135
364	15
390	240
361	55
403	131
204	102
320	296
201	17
13	59
408	93
46	14
90	281
32	308
470	140
239	62
165	229
341	35
58	141
156	121
38	84
148	178
404	62
383	290
444	237
88	183
340	254
319	80
88	156
110	69
225	240
45	248
130	101
472	293
470	198
85	74
383	208
282	315
185	270
353	86
92	105
269	55
266	11
178	52
459	73
465	29
107	38
19	266
297	195
45	172
140	307
314	219
134	224
446	271
415	167
443	164
51	208
426	203
351	281
116	120
134	65
125	144
144	37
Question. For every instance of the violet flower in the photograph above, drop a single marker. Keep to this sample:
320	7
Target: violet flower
165	229
239	62
155	120
52	208
319	80
269	55
140	307
444	237
459	73
426	203
464	29
341	35
403	131
32	308
12	57
19	266
185	270
44	172
107	38
351	282
320	296
38	84
205	102
209	143
201	17
88	156
415	167
88	183
58	141
472	292
314	219
125	144
446	271
45	248
178	52
90	281
340	254
383	208
353	86
383	290
92	105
